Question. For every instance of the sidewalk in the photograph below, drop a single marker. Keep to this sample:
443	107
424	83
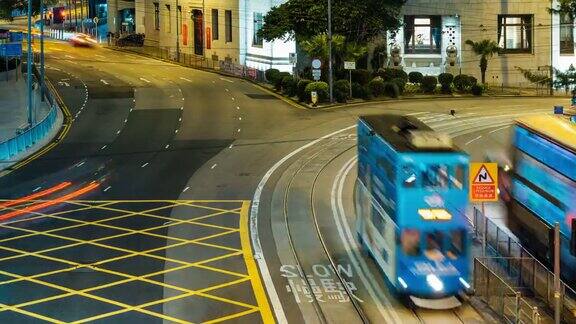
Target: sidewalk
13	107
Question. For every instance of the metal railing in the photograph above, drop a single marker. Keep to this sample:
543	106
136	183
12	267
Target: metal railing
30	135
196	61
511	266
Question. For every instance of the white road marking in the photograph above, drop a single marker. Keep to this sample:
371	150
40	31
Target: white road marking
499	129
167	146
213	166
418	113
104	81
188	80
226	80
147	81
255	236
365	276
231	146
238	130
176	131
69	56
38	188
473	140
233	99
145	164
107	188
239	118
185	189
227	90
180	119
118	132
237	108
80	164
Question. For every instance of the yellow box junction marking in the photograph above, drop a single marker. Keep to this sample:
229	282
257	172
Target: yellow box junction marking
238	209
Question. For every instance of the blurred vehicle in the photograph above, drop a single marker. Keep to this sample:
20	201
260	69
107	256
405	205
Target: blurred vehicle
504	162
82	40
411	197
136	40
543	181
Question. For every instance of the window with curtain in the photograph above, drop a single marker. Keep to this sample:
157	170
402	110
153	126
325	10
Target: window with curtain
515	33
228	25
156	16
258	22
423	34
215	30
566	35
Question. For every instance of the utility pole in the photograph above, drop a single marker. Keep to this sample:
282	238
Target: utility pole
557	292
178	11
42	21
82	16
29	64
551	48
330	67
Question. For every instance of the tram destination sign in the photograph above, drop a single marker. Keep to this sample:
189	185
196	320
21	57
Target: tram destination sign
483	182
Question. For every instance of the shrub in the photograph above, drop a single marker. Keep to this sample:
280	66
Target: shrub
445	79
321	89
289	85
279	78
429	84
415	77
361	76
271	75
477	89
463	82
412	88
400	83
301	90
376	87
388	74
360	91
391	89
342	90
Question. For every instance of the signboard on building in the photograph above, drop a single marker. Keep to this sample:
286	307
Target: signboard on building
208	38
483	182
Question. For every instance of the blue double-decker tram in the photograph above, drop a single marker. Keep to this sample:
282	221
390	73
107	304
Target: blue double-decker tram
411	197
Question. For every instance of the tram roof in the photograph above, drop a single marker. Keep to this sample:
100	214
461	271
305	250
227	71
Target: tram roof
386	126
554	128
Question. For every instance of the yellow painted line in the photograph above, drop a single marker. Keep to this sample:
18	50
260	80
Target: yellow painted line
259	293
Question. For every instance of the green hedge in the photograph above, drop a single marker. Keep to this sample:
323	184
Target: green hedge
429	83
415	77
271	75
342	90
301	90
321	89
376	87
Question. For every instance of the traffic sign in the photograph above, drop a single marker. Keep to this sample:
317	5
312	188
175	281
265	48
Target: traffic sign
350	65
316	64
316	73
483	182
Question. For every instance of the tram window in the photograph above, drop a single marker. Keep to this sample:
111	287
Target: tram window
409	176
411	242
458	178
378	221
456	244
436	176
434	245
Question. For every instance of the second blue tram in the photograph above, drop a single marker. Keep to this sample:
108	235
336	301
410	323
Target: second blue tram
411	197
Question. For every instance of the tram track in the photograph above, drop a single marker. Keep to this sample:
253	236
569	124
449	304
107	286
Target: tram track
311	169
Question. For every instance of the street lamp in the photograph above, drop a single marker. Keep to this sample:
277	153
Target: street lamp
29	63
42	21
330	81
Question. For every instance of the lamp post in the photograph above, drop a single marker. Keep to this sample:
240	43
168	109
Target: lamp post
330	81
178	10
29	63
42	21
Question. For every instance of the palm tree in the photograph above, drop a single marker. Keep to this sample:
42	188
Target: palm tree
485	49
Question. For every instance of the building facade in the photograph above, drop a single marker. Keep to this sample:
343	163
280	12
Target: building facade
433	38
218	30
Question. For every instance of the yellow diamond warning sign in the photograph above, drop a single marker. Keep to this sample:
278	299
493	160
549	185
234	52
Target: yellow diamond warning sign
483	182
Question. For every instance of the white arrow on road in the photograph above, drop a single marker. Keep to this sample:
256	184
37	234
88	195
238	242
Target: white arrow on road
63	83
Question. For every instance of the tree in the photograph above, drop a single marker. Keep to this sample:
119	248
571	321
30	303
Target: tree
565	79
357	20
317	47
485	49
566	7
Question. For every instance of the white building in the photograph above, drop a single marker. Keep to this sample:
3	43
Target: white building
521	28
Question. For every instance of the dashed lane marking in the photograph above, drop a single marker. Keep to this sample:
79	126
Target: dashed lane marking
214	220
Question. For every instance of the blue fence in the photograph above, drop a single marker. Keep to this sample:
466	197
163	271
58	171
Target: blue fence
29	137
